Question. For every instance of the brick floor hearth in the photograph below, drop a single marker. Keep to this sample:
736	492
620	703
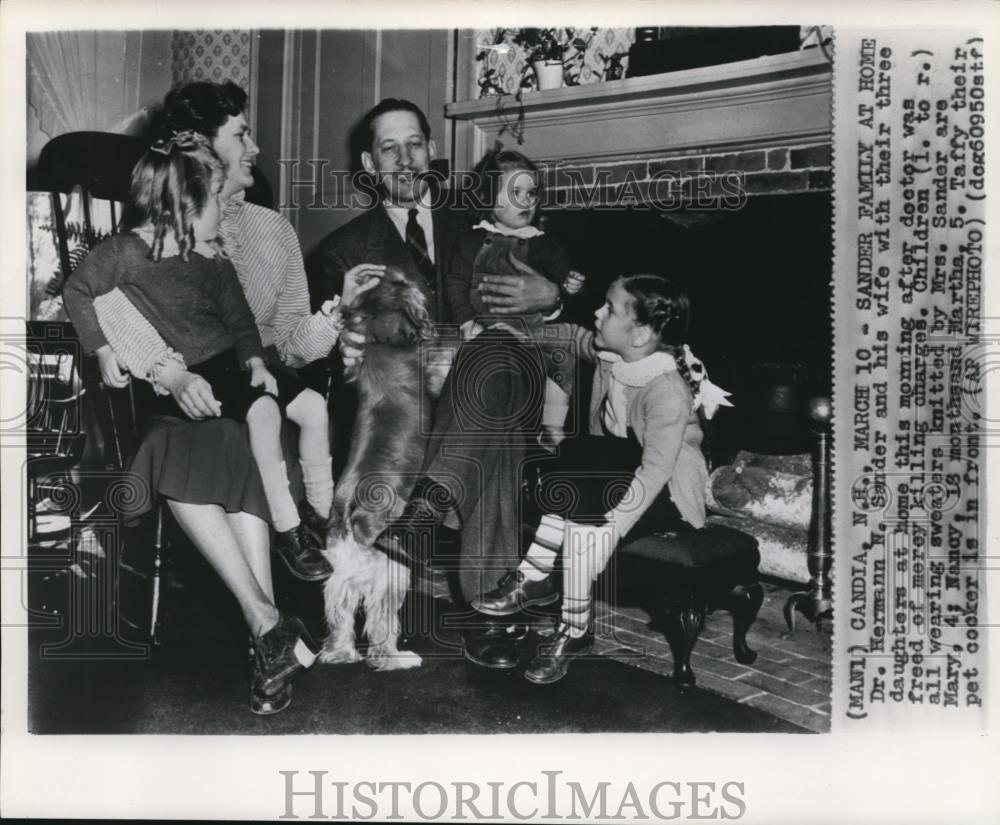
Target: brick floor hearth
791	678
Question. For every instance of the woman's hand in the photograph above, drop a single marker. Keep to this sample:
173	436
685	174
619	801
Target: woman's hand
261	376
192	393
194	396
360	279
113	372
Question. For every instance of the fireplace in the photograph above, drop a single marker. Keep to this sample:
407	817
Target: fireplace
757	265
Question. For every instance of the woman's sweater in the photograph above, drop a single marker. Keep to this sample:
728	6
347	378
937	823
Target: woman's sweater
197	307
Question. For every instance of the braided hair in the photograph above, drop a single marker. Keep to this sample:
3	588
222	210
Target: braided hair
666	309
169	187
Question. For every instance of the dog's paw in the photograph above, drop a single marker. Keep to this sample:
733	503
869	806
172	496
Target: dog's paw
399	660
339	656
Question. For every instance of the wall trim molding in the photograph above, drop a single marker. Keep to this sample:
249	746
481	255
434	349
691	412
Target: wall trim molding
767	101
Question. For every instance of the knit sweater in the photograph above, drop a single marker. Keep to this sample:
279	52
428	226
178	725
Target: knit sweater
661	415
197	307
265	251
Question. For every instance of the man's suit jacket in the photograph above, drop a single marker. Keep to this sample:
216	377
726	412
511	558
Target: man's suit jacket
373	238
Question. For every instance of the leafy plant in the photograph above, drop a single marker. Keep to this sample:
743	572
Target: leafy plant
541	44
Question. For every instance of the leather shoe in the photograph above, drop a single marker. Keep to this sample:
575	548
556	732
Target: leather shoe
314	523
514	592
554	655
261	704
495	646
298	551
281	654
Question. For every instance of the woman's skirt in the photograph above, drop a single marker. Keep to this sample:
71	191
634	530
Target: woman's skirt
205	462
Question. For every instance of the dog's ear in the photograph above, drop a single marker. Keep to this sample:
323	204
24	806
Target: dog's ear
414	306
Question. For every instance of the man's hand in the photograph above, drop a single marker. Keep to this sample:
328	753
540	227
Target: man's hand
522	294
113	372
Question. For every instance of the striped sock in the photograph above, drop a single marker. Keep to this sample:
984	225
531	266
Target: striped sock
585	554
318	480
575	614
541	556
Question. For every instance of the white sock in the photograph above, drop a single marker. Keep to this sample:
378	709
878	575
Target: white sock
284	513
317	476
556	407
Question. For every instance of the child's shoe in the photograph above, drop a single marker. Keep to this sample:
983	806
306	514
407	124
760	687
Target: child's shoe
314	523
300	553
555	654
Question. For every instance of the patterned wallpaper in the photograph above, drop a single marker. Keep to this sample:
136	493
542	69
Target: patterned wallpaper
213	55
509	63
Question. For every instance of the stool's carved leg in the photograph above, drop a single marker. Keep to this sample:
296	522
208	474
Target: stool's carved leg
683	626
744	602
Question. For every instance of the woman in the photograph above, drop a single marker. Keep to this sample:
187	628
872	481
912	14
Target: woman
205	470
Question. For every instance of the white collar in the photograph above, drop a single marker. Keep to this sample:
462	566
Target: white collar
641	372
500	229
422	206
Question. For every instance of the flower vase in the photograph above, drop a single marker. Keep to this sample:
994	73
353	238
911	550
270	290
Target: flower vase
548	74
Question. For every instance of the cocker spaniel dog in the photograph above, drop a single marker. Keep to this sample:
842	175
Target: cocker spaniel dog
387	449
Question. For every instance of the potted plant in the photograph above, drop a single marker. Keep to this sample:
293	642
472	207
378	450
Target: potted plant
544	50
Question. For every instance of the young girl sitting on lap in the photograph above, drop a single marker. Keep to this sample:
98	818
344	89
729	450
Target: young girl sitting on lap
506	238
171	267
640	470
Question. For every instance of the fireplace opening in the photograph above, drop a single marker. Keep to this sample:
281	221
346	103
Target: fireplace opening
760	285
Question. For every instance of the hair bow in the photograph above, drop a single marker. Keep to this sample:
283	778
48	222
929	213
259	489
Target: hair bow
185	139
708	396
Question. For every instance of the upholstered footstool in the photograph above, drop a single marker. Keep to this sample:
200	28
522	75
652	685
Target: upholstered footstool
689	574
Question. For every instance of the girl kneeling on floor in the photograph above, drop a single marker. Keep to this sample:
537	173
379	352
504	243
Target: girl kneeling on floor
642	459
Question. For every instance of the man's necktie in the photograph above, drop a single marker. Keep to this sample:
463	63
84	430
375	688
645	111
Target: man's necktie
417	243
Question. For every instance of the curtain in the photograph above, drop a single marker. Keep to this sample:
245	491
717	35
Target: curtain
79	81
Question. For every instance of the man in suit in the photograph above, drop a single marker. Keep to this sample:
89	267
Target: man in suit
403	226
490	407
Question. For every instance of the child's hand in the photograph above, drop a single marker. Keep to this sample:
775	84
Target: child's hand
260	376
113	372
573	282
470	329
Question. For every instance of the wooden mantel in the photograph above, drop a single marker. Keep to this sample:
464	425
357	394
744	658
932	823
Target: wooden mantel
769	101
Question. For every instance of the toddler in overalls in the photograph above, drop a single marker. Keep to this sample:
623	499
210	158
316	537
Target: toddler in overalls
506	242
